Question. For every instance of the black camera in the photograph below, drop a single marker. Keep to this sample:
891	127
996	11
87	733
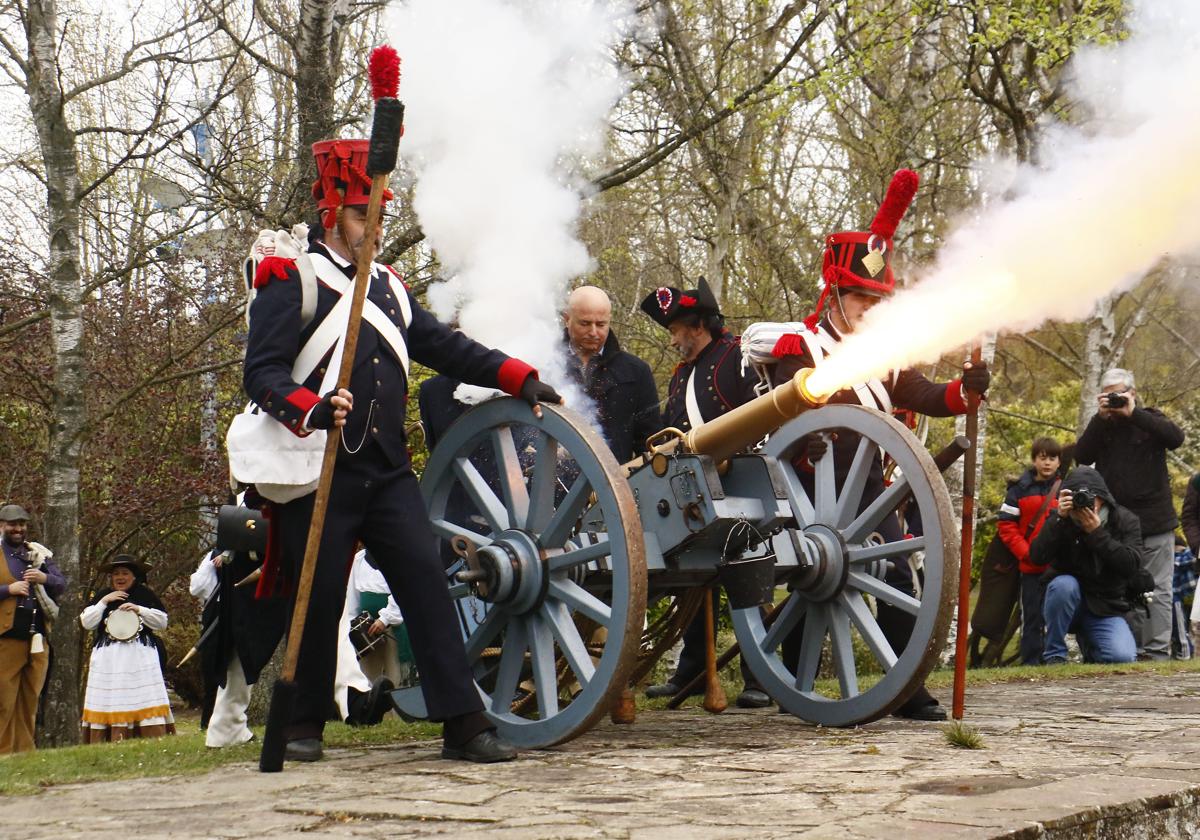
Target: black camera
1114	400
1083	499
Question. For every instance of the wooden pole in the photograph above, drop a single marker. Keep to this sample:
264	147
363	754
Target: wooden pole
714	693
970	460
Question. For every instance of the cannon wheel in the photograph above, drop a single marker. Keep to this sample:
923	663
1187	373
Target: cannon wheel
551	657
830	599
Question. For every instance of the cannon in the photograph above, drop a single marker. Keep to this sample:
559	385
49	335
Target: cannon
556	547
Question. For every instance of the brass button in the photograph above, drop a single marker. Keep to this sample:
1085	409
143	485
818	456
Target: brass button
374	430
378	384
281	412
375	360
391	311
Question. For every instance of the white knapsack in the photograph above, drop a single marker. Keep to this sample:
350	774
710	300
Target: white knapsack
291	245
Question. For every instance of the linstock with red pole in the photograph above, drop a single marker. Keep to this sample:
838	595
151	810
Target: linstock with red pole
970	459
384	71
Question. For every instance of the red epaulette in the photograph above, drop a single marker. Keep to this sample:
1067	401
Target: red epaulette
788	345
272	268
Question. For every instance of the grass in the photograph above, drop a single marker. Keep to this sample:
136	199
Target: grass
183	754
963	735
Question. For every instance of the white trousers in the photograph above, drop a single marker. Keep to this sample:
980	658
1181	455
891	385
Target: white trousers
227	724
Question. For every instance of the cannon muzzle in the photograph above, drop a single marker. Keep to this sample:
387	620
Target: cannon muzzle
747	424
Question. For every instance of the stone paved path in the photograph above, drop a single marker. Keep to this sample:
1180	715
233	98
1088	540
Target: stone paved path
1117	756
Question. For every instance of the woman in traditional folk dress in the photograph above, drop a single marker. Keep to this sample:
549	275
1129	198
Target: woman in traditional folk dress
125	694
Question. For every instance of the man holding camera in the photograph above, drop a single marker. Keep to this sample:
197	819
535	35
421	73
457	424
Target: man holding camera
1093	547
1128	445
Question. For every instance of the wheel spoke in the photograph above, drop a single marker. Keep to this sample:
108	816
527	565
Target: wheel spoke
512	478
569	641
512	660
576	597
447	530
869	629
484	498
541	655
543	483
798	499
560	525
825	484
884	592
577	557
856	480
793	611
867	553
884	505
810	647
843	651
487	630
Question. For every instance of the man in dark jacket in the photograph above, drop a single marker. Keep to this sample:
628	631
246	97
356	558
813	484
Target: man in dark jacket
1128	445
1093	550
618	382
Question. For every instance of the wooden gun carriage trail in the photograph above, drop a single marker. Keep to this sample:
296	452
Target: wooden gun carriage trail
553	549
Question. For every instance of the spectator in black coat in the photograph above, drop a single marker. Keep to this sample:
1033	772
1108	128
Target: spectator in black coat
618	382
1093	552
1128	445
1190	515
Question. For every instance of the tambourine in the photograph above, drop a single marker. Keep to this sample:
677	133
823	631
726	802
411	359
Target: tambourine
123	625
362	640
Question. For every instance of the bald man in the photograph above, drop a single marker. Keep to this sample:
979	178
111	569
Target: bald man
620	384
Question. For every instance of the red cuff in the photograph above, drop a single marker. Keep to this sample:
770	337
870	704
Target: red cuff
304	400
272	268
954	397
512	376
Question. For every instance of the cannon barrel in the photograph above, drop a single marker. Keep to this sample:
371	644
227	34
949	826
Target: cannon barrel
749	423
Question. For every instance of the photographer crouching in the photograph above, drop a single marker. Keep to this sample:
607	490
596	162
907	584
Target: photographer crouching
1128	445
1093	547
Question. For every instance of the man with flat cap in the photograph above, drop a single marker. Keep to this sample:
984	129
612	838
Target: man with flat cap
709	382
29	585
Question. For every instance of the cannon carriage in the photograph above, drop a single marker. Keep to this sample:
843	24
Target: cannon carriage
556	548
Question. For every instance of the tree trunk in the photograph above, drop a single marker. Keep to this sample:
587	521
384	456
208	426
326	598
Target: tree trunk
1099	352
316	55
68	409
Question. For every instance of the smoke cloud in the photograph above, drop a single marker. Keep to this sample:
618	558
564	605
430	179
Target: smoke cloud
1106	204
504	100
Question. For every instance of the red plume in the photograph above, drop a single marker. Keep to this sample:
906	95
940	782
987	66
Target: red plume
895	204
383	68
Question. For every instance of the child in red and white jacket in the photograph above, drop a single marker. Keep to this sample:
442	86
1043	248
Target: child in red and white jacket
1021	517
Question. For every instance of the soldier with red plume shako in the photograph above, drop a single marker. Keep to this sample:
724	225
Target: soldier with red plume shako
857	269
298	318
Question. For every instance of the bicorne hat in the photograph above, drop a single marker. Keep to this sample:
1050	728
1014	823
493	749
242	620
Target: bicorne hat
666	303
342	179
861	261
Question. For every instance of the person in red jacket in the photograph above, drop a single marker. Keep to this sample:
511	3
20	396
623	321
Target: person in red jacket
1021	517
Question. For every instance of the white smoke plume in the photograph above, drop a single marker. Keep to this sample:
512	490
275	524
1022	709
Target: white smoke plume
1105	205
504	99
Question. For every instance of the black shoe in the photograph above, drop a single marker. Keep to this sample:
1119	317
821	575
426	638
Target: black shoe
929	710
485	748
670	689
753	698
367	708
303	749
667	689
